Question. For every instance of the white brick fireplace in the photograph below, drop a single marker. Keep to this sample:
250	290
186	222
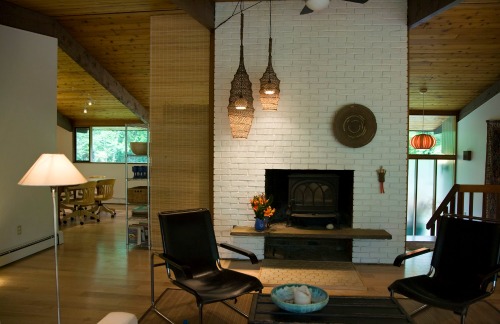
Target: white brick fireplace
348	53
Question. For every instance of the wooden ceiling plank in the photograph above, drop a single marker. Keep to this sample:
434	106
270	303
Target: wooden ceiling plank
79	7
21	18
420	11
444	23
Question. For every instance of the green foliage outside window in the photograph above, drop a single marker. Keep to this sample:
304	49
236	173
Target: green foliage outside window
82	144
107	144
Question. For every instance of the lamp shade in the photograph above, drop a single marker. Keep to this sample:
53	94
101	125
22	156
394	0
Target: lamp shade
52	170
240	112
423	141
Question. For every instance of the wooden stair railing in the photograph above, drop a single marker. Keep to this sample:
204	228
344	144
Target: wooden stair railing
454	202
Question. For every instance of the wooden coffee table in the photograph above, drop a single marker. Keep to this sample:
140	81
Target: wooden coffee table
338	310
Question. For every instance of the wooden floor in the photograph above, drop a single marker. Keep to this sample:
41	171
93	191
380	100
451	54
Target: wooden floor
99	274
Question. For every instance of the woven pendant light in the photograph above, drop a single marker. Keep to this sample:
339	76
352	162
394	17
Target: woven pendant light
423	141
240	108
269	83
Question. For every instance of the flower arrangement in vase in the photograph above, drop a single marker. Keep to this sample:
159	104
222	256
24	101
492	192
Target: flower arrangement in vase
262	209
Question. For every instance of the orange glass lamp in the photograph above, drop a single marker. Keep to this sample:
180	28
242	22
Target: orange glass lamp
423	141
53	170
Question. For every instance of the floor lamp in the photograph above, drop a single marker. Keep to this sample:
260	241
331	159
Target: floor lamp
53	170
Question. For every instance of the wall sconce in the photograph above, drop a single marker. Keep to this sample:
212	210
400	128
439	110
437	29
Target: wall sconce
467	155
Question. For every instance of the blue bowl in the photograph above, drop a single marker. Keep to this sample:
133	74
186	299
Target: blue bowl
282	296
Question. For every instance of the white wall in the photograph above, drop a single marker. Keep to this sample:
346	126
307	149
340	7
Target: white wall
28	117
65	142
471	136
348	53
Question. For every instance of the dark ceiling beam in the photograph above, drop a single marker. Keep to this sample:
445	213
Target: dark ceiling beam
202	11
489	93
21	18
64	122
420	11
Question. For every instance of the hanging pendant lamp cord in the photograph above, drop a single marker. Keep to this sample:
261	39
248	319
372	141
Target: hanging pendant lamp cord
270	38
423	112
235	13
241	31
242	65
270	21
270	59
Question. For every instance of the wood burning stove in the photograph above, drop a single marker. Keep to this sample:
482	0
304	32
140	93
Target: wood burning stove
313	200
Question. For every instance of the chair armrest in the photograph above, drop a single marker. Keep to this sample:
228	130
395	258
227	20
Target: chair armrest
487	278
248	254
172	262
400	258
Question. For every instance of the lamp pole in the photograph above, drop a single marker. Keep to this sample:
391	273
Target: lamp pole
53	189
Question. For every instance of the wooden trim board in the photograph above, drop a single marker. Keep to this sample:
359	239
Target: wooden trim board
281	230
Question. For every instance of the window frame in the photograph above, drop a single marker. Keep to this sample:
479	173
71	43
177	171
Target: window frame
124	150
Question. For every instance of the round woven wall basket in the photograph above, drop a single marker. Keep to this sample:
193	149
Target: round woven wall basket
354	125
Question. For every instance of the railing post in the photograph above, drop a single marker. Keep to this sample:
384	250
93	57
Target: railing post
471	203
460	203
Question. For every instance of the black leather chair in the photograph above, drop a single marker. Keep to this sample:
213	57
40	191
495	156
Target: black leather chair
464	266
191	253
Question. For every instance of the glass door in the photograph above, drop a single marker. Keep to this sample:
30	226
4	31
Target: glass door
429	180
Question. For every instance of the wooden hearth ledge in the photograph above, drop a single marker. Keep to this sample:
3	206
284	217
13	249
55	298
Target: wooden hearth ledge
281	230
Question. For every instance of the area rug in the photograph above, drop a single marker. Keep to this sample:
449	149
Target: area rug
324	274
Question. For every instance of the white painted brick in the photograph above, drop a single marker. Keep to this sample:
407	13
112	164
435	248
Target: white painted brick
342	55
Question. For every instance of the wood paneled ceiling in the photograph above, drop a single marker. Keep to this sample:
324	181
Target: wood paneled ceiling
114	37
454	53
456	56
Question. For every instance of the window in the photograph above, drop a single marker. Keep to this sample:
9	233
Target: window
429	180
431	173
107	144
443	128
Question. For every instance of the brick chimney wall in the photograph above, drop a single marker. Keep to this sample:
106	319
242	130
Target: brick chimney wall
348	53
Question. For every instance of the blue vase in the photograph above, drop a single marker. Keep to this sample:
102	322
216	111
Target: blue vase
260	225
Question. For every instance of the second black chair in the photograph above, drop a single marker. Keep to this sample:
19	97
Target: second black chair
464	266
191	253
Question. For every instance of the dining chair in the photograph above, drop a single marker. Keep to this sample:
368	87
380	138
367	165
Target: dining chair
80	199
104	191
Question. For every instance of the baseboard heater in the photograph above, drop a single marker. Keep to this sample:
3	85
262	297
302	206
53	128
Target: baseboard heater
17	253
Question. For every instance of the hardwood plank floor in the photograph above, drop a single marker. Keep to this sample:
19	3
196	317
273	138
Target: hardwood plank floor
99	274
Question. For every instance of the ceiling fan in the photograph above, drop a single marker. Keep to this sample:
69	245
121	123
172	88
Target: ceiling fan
317	5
